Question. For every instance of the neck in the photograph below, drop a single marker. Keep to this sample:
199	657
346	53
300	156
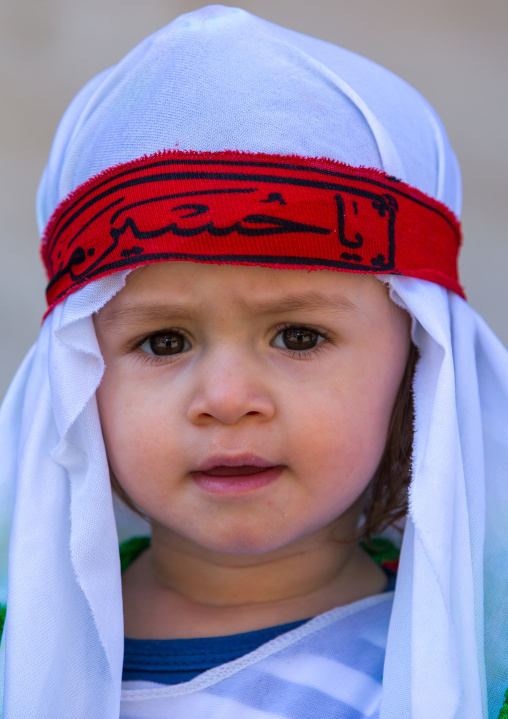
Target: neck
180	590
217	580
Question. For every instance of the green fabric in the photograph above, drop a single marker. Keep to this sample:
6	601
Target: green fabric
504	709
2	619
132	548
381	550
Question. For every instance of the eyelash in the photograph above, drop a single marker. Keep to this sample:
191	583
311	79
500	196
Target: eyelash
304	354
293	354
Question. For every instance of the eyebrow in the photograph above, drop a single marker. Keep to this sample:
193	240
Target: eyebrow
142	313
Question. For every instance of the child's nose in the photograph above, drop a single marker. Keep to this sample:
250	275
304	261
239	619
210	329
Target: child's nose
229	389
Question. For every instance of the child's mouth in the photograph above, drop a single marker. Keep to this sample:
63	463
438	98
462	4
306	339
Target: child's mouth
231	480
234	471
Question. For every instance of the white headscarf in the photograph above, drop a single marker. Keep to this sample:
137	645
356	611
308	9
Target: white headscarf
217	79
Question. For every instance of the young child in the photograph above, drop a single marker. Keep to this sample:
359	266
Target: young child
251	239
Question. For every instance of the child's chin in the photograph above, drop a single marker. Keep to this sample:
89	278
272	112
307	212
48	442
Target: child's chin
244	543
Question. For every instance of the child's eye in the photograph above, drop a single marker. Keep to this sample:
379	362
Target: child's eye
298	338
164	344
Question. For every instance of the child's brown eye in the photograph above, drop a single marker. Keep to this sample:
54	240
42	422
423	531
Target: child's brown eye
298	338
164	344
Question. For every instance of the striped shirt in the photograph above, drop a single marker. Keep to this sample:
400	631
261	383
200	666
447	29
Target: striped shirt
331	667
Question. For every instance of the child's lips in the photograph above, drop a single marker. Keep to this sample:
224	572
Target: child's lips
236	480
222	463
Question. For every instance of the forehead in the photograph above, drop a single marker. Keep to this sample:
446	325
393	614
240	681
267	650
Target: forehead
200	288
188	279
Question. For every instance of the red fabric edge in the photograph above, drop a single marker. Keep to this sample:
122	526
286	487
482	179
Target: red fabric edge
319	163
232	155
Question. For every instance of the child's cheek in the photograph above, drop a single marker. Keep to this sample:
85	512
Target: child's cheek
336	443
133	426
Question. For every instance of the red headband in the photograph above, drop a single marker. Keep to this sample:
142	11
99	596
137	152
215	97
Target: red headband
287	212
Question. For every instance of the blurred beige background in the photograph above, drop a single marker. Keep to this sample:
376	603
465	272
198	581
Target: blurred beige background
454	51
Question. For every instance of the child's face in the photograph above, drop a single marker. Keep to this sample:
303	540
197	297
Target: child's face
208	365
